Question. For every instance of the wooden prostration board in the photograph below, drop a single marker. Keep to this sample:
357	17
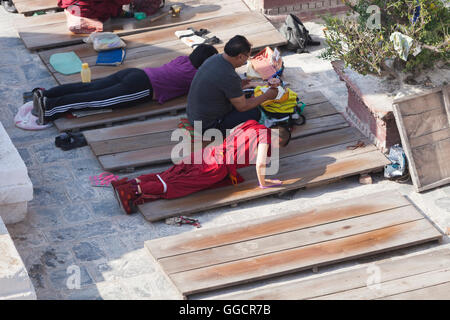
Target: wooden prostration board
423	278
214	258
140	111
424	125
319	160
48	31
147	143
155	48
30	6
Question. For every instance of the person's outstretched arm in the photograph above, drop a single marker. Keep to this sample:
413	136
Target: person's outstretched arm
242	104
261	161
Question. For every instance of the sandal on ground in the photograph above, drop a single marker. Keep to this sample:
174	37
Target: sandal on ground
69	141
212	40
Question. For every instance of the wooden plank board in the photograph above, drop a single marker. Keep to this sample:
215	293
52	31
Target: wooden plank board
319	287
287	240
152	108
135	157
329	119
150	49
226	261
319	166
424	127
293	260
394	287
140	111
321	215
138	150
52	32
437	292
145	127
31	6
156	37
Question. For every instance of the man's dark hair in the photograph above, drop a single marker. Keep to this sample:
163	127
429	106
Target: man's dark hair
284	134
237	45
201	53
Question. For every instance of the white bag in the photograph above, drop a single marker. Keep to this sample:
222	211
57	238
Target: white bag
24	119
103	41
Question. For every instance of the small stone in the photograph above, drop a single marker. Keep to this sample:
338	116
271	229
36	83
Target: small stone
365	179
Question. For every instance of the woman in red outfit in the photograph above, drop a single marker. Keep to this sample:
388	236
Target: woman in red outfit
248	144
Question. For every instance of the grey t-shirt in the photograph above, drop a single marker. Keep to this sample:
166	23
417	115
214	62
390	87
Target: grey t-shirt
214	84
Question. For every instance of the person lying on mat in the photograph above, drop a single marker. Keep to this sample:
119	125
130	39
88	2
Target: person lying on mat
215	166
216	97
124	88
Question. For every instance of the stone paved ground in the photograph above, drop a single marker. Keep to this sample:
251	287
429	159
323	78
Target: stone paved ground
72	224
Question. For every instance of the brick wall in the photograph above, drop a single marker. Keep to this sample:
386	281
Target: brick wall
276	7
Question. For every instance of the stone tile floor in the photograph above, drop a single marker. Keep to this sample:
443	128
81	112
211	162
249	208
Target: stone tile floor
73	228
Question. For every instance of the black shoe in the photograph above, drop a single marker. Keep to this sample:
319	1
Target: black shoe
213	40
9	6
68	141
200	32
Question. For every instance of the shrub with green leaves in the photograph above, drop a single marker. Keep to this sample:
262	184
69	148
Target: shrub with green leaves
367	49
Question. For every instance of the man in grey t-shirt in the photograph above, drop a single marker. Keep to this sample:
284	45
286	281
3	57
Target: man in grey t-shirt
216	97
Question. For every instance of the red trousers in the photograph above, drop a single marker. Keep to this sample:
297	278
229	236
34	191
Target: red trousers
183	179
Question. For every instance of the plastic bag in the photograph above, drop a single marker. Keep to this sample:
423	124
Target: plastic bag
103	41
398	163
81	25
24	119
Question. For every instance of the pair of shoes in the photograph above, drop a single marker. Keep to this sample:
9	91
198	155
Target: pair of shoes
68	141
126	195
9	6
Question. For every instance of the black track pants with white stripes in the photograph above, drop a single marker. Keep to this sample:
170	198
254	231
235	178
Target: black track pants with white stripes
124	88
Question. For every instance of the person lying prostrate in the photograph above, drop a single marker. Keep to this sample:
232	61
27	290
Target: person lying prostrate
249	143
124	88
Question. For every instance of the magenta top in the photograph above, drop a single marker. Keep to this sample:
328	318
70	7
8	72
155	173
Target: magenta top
172	79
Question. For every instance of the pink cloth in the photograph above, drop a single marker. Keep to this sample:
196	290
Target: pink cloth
25	120
80	25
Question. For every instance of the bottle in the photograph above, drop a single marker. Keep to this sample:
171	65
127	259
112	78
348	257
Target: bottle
85	73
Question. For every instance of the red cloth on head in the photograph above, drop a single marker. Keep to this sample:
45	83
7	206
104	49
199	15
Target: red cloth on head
187	177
